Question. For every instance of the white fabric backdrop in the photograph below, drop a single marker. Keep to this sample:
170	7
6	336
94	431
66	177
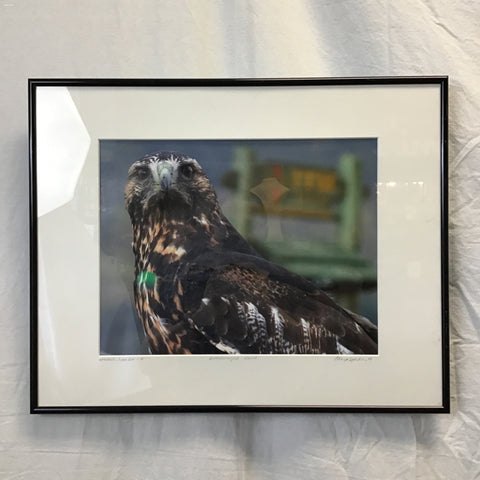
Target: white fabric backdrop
269	38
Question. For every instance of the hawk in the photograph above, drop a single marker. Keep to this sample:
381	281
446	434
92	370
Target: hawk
200	288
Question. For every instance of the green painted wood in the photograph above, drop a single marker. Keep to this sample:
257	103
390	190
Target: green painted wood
349	226
243	164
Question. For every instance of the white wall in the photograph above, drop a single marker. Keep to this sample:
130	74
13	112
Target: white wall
268	38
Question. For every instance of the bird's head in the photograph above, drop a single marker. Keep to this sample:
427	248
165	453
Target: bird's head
166	183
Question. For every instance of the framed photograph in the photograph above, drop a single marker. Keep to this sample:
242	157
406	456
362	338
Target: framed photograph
254	244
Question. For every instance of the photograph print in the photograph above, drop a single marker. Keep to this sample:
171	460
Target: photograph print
238	247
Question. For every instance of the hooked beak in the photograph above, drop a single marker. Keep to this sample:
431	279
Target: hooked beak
163	176
165	180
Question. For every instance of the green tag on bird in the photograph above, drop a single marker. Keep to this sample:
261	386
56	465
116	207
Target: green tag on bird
146	279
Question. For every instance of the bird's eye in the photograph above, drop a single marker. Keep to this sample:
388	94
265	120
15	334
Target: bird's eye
187	170
142	173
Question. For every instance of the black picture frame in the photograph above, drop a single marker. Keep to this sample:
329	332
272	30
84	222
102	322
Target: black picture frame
366	100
